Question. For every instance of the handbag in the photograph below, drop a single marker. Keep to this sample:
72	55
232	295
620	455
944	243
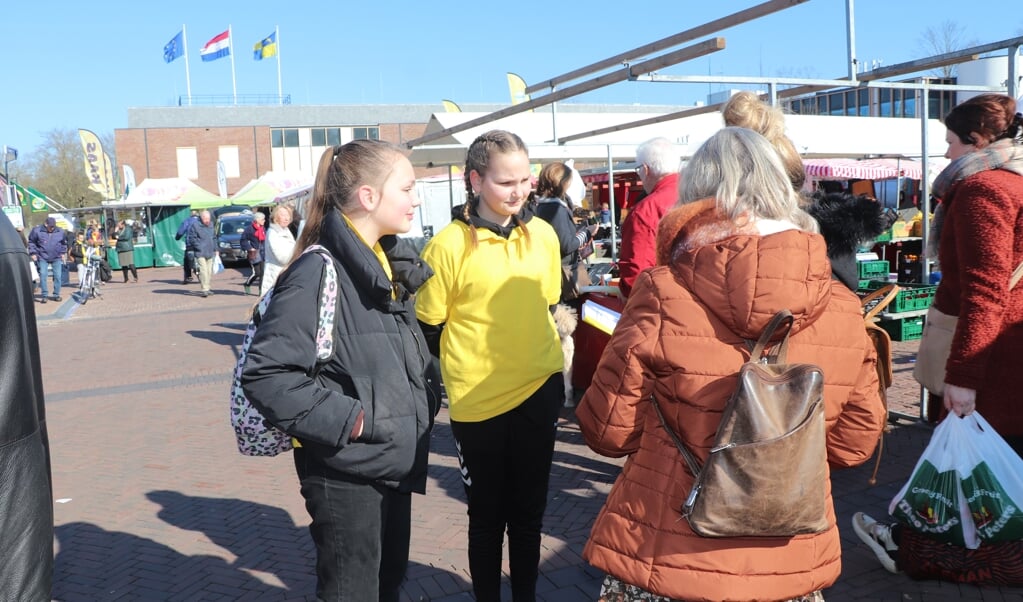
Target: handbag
936	344
873	304
766	472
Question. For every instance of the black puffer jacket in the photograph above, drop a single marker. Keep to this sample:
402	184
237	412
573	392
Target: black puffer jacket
378	367
26	507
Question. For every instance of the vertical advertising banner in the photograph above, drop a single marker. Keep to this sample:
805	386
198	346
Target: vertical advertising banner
97	165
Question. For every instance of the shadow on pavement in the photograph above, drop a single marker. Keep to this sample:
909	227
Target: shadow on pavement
262	538
92	563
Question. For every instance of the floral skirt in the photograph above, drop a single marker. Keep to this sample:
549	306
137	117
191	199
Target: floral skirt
615	590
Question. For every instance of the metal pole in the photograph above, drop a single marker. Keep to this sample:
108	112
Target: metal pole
850	32
554	118
188	78
277	47
1012	83
230	47
611	201
925	208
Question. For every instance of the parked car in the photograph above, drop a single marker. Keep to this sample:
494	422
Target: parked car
229	229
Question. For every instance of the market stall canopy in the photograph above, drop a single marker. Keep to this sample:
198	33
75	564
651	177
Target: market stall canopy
169	191
274	187
866	169
813	136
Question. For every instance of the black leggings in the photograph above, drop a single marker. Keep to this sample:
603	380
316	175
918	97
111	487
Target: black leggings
506	466
134	272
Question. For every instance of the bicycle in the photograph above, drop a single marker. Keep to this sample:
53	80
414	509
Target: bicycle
89	287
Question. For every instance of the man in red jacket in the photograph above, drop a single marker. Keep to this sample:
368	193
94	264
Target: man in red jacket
658	170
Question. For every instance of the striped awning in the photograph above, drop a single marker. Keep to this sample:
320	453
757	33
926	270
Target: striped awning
853	169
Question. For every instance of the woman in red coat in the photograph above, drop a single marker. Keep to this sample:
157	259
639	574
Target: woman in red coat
978	232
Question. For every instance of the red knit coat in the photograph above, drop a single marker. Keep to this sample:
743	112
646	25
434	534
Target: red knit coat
981	243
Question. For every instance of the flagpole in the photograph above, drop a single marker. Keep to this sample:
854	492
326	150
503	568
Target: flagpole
188	78
230	48
277	37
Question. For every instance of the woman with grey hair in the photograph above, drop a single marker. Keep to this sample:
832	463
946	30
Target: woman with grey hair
736	250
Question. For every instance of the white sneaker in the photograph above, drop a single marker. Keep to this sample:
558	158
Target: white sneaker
879	537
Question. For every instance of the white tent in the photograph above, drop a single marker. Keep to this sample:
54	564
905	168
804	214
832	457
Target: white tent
166	191
813	136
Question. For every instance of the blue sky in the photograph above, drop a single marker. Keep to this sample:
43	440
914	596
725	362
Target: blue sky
82	64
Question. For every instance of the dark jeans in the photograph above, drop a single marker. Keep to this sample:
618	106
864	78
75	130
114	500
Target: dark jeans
256	278
361	531
506	466
189	265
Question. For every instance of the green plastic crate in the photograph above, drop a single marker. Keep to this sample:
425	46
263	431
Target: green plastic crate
904	329
873	270
885	236
864	285
911	297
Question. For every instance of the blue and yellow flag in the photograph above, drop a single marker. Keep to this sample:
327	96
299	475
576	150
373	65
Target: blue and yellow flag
265	48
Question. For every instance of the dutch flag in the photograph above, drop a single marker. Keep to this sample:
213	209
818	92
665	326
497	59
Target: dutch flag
218	47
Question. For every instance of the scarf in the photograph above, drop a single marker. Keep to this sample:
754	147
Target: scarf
259	231
1000	154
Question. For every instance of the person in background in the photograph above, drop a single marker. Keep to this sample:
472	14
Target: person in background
658	163
203	240
125	247
736	251
26	492
605	214
280	244
487	314
745	109
48	246
253	243
79	253
977	234
362	421
188	264
554	205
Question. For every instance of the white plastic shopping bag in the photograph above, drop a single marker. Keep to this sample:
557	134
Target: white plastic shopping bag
966	487
932	500
218	265
993	486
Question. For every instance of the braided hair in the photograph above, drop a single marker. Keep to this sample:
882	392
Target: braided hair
991	116
477	159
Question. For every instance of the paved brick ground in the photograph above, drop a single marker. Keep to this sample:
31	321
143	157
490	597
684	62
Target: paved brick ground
154	503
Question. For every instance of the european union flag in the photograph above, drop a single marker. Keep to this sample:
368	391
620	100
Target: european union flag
265	48
174	48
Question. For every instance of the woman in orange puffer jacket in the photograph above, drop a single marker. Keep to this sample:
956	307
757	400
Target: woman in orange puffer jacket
737	250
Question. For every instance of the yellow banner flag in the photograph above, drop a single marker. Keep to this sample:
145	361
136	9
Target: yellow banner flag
451	107
517	89
97	165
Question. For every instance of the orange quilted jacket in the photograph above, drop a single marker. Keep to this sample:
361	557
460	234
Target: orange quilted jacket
682	338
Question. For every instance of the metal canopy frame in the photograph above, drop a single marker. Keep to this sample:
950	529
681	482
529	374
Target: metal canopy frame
645	71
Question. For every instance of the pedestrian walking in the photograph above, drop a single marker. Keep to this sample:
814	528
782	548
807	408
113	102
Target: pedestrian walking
47	245
203	240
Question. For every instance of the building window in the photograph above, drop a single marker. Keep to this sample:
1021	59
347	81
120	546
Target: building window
836	103
885	103
863	96
333	136
850	102
325	136
188	163
365	133
284	138
319	136
228	155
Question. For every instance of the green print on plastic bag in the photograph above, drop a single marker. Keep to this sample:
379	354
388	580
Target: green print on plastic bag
996	515
931	504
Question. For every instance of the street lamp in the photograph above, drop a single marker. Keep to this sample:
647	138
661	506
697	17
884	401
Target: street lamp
10	154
